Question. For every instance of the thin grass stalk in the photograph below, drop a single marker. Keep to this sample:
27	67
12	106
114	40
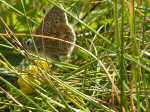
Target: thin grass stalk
122	71
146	4
117	36
28	25
135	69
132	83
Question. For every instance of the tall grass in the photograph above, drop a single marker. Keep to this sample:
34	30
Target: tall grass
109	68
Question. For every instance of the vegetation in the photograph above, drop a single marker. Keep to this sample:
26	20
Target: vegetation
107	72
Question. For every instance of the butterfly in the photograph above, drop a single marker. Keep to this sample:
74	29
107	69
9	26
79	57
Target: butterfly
55	25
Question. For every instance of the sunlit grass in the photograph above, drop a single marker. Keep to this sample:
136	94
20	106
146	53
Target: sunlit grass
108	70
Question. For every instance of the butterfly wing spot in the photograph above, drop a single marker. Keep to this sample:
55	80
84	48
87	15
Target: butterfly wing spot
29	43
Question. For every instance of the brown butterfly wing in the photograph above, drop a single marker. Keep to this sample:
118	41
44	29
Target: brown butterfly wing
55	25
